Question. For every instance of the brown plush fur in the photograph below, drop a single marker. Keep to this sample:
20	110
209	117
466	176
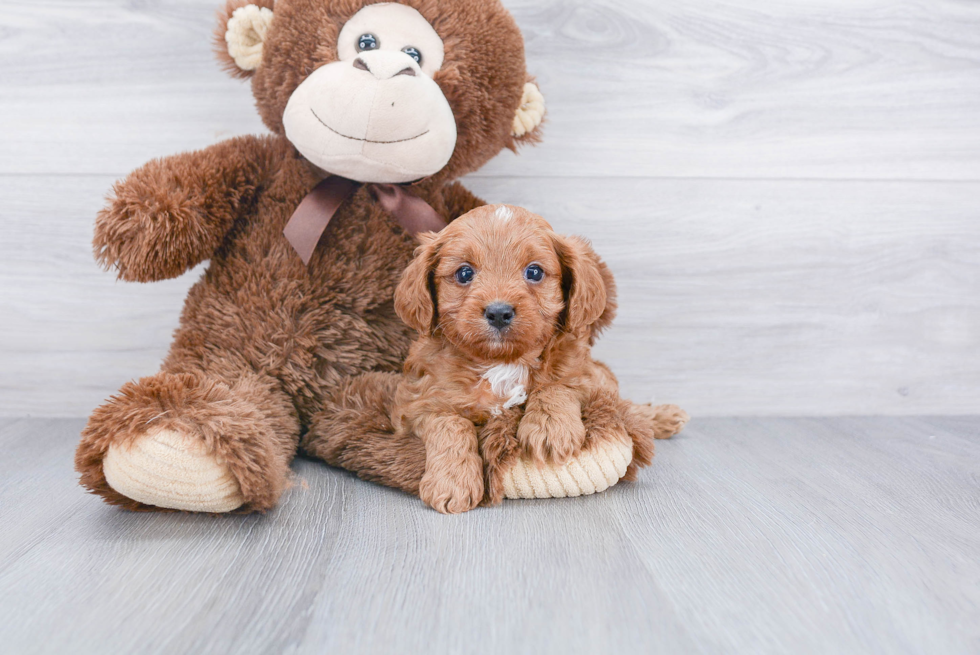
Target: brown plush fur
354	432
463	438
263	339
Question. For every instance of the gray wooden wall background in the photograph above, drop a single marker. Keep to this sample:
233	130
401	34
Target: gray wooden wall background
787	191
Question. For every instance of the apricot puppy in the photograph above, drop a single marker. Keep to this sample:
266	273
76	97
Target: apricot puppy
506	311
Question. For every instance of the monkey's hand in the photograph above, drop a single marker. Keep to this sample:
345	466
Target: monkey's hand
172	213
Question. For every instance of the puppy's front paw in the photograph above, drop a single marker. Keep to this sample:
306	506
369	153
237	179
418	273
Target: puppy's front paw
453	491
551	437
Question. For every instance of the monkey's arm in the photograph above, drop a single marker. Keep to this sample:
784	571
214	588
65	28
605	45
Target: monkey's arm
172	213
460	200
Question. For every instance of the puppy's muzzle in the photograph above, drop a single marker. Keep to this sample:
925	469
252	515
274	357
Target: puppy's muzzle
499	315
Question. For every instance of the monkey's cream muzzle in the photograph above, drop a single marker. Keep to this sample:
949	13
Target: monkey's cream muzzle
387	125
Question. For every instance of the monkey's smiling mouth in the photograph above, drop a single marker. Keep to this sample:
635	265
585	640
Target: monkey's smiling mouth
354	138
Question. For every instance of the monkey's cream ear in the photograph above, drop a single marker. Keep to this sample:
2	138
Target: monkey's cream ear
246	34
529	115
241	34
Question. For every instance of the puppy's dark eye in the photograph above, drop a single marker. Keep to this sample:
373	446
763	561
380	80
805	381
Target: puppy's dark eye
414	53
533	273
464	274
367	42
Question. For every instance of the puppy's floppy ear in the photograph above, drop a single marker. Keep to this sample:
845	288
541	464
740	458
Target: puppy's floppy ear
240	35
609	313
587	286
415	297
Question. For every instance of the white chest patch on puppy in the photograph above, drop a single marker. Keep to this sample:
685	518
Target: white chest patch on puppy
508	381
503	213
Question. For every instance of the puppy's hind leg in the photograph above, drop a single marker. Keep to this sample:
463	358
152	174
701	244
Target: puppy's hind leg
646	422
665	420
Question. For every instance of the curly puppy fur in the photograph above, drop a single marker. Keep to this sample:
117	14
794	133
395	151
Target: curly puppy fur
468	430
263	339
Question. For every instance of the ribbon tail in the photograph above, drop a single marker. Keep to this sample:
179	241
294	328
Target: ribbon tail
412	213
310	220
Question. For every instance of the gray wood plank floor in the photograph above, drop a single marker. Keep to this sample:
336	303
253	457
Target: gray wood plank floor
747	535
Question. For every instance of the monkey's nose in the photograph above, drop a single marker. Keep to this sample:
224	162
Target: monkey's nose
385	64
499	314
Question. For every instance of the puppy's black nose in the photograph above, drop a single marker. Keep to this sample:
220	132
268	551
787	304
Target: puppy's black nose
499	314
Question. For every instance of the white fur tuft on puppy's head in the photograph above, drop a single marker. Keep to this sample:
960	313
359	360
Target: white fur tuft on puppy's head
504	213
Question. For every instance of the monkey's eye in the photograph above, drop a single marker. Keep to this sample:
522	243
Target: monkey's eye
367	42
414	53
464	274
533	273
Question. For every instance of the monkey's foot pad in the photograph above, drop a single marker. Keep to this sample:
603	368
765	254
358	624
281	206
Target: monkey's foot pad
592	470
171	470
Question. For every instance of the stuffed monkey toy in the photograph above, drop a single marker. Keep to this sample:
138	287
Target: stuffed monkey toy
375	109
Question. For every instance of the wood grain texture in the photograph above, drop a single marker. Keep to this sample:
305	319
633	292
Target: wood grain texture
746	535
786	191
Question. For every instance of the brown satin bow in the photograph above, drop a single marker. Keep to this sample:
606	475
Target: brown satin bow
310	220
